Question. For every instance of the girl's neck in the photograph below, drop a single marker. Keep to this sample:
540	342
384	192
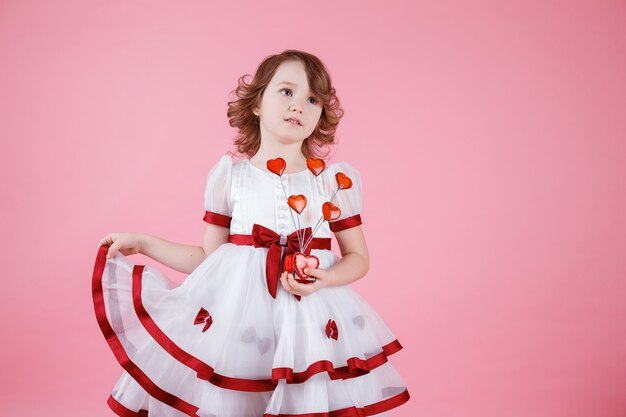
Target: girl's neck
292	155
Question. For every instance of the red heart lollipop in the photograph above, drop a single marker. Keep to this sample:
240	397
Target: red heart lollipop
330	211
290	266
297	202
316	166
301	261
277	166
343	181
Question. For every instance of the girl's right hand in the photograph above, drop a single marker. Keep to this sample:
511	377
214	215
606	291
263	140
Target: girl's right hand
126	243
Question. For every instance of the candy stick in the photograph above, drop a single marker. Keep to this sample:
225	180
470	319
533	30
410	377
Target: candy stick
297	227
302	232
319	223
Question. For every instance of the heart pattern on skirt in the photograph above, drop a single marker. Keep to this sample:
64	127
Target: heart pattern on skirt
249	336
359	321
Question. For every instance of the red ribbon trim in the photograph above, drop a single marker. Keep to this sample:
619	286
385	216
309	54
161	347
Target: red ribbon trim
217	218
356	367
343	224
368	410
122	411
118	350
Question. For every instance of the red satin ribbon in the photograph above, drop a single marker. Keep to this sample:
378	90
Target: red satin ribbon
262	237
343	224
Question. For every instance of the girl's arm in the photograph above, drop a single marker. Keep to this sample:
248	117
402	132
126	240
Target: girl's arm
181	257
354	262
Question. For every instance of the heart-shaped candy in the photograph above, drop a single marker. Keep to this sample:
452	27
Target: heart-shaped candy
330	211
290	266
297	202
343	181
277	166
316	166
301	261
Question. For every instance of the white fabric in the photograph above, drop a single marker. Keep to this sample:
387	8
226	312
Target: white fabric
251	195
252	333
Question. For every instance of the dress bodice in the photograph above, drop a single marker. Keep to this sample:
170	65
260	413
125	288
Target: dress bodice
248	195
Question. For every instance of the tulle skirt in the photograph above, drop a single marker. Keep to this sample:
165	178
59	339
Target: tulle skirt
219	345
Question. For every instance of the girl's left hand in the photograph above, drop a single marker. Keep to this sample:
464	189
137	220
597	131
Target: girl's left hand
292	286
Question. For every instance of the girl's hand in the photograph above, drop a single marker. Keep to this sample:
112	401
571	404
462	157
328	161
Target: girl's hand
126	243
292	286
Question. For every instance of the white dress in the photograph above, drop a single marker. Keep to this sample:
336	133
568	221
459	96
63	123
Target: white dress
220	345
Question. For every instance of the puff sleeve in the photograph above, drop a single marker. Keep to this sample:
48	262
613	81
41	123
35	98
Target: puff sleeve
217	202
348	200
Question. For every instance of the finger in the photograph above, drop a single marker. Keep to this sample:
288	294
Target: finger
316	272
296	292
285	282
294	284
311	271
112	249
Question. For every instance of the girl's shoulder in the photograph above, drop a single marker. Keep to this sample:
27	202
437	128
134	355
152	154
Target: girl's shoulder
229	161
344	167
223	164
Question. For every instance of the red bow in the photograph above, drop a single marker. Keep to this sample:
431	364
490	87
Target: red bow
331	329
203	316
267	238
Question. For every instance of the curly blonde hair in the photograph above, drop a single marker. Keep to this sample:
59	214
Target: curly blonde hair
241	116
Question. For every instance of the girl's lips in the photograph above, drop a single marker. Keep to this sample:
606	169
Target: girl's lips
292	122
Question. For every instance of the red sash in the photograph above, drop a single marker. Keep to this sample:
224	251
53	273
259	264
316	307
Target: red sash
262	237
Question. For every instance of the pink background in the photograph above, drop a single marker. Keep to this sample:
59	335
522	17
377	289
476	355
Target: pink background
491	139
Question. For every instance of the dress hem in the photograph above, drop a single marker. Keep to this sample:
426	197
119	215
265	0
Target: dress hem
368	410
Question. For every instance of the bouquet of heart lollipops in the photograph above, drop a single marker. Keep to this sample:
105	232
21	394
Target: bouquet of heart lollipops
298	261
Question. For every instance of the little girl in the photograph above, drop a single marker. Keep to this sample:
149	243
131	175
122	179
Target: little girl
230	341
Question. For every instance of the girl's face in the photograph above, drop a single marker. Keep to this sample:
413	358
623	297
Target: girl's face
288	96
